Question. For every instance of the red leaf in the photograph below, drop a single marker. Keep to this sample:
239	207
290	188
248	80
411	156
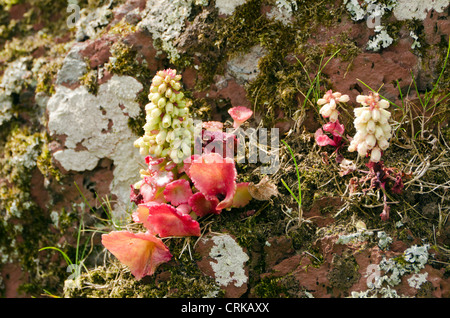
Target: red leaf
202	205
141	252
214	175
165	220
178	192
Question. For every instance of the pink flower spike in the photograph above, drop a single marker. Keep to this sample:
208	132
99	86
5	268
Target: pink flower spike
141	252
202	205
242	196
165	220
178	192
240	114
214	175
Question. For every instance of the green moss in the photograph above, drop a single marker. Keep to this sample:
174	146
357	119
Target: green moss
9	3
180	280
26	226
89	80
280	287
344	272
45	165
45	81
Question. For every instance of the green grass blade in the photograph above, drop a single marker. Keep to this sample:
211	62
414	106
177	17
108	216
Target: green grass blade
390	102
298	174
442	72
290	191
66	258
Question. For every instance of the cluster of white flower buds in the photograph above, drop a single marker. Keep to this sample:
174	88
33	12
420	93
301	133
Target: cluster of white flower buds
372	127
329	103
169	130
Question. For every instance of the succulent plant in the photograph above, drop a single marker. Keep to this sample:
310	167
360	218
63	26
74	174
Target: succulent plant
177	187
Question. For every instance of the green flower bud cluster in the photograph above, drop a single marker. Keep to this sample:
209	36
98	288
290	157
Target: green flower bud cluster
169	129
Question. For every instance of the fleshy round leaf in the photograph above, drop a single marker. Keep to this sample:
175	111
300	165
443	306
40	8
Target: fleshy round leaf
203	205
240	114
214	175
242	196
178	192
141	252
165	220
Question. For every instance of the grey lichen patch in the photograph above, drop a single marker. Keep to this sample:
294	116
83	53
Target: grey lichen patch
389	273
384	240
114	104
229	261
375	13
357	237
372	12
165	20
244	68
72	69
92	21
16	77
227	7
283	11
417	9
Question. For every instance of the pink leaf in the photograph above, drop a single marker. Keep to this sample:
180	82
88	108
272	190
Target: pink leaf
178	192
336	129
242	196
214	175
147	191
322	139
141	252
202	205
140	215
187	163
162	178
165	220
240	114
184	208
149	160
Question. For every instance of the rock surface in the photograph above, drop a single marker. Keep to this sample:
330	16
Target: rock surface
72	103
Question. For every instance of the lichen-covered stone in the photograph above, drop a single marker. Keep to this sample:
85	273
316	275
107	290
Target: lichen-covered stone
102	134
262	54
